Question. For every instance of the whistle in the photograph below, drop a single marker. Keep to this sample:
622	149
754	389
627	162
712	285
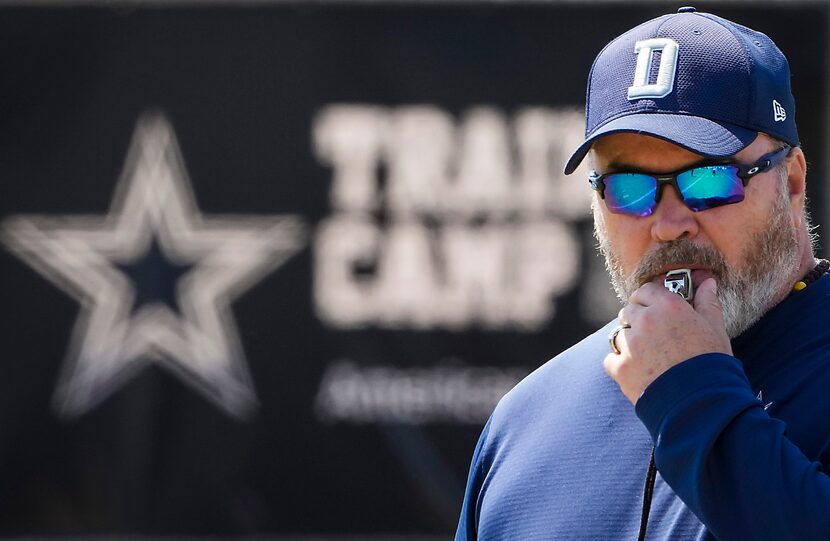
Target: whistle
680	281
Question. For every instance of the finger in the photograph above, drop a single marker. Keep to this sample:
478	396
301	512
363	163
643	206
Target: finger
629	313
707	303
648	293
617	340
611	365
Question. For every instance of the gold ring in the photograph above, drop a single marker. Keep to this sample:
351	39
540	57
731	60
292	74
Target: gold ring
612	338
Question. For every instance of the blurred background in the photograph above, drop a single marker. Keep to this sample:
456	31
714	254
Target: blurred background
267	266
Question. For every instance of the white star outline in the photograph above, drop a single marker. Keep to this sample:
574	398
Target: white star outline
229	254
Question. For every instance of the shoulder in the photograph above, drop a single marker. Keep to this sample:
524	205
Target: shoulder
544	436
563	380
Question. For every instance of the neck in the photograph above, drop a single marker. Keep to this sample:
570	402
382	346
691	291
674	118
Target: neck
806	263
808	260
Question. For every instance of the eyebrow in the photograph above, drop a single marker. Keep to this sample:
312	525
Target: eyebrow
618	166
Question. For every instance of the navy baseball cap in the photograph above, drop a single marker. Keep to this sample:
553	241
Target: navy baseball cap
693	79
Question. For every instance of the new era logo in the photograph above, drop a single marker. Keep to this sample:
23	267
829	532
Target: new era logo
779	113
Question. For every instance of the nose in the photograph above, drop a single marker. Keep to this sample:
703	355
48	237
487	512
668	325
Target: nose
672	219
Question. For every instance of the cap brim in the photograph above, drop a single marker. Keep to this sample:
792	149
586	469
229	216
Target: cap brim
699	135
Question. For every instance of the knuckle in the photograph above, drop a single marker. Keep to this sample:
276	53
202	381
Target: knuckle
646	320
633	342
610	364
667	299
652	290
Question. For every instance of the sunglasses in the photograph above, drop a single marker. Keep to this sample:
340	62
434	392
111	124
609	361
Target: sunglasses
701	187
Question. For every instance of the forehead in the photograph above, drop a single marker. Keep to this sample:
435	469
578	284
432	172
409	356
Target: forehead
632	150
644	152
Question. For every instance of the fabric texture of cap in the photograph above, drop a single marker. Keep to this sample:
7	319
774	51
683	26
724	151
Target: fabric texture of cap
694	79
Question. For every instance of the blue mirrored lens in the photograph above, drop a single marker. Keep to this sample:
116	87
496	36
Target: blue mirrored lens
630	193
710	186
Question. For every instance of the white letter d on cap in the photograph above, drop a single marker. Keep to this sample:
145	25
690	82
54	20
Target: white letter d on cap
665	73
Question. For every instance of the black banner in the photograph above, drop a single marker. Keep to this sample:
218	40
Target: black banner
267	268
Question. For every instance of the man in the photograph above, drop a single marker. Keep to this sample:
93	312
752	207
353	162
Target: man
691	134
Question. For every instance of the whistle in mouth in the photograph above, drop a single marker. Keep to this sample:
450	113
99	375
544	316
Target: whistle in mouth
680	281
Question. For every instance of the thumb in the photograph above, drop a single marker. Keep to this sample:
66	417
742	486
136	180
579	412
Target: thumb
706	301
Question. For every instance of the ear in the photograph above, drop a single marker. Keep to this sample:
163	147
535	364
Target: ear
797	183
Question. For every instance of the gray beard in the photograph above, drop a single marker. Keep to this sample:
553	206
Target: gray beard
770	261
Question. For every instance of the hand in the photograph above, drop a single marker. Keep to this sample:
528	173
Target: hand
665	331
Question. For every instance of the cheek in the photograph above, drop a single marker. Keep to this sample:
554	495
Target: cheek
627	237
727	228
723	234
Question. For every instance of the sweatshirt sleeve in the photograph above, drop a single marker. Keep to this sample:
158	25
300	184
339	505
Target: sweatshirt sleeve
728	460
468	522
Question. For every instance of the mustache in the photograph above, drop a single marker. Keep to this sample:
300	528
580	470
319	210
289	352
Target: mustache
678	253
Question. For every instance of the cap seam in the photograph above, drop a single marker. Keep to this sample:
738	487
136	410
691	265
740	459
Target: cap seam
749	62
663	22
